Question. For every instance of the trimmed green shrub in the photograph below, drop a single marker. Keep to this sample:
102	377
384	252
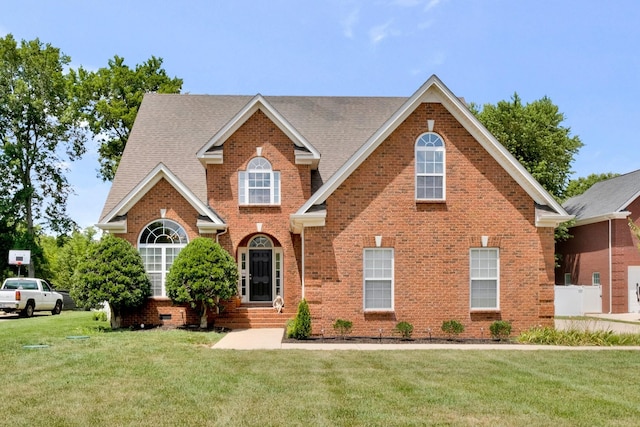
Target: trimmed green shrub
343	327
112	271
300	329
405	329
452	327
202	274
500	329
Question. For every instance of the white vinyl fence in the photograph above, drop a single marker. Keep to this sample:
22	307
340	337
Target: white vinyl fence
575	300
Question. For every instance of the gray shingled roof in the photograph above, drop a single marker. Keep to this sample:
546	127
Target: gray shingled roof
172	128
605	197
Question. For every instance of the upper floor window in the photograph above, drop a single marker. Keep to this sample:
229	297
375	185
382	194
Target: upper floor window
430	167
259	184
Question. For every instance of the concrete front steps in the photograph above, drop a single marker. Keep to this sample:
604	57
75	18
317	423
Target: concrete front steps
249	316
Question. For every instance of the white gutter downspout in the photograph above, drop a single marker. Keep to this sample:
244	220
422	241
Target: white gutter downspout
302	279
226	230
610	271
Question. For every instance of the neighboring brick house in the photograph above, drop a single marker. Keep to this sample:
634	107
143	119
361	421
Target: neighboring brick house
603	251
375	210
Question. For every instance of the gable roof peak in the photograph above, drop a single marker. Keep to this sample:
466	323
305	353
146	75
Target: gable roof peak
309	154
434	90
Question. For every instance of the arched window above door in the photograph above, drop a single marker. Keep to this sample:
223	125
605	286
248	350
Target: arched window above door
260	242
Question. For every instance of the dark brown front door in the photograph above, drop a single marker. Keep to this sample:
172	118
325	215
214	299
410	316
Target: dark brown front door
260	275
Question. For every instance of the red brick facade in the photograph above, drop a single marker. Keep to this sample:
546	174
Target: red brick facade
431	241
591	249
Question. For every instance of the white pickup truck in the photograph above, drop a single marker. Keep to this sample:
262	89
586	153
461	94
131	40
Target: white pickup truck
28	295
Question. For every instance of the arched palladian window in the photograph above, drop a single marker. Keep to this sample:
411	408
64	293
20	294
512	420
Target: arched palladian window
159	245
430	167
259	184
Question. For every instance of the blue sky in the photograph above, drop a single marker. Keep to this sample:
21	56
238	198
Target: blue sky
583	54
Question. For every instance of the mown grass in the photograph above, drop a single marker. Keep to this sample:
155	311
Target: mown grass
166	378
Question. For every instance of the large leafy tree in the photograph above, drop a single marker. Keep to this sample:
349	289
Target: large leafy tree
65	253
114	94
39	134
580	185
112	271
201	275
535	135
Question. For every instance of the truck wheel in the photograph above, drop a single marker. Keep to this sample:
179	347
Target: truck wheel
28	310
58	308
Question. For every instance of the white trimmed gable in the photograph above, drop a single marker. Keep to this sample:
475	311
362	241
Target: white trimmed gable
212	151
433	90
115	220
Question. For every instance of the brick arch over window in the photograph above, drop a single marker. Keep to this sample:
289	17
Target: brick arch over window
430	167
159	244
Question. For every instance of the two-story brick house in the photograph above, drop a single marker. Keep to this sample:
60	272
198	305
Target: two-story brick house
375	210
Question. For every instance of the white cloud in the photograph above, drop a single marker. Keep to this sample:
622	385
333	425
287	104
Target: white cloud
349	22
431	5
381	32
426	24
407	3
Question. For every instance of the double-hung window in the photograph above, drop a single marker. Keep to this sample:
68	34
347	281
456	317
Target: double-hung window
430	167
259	184
378	279
485	278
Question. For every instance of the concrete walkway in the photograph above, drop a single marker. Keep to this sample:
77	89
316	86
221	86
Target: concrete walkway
271	339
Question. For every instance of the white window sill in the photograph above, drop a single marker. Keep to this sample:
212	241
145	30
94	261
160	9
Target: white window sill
431	200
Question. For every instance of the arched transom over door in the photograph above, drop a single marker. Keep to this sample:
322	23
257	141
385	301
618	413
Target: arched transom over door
159	245
260	270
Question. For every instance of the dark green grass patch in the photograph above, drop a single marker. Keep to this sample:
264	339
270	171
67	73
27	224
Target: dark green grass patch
167	378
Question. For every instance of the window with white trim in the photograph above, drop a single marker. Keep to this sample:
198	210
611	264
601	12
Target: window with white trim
484	273
378	279
595	279
567	279
259	184
430	167
159	245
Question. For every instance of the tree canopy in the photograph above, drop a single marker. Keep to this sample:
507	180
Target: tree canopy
201	275
39	133
534	134
113	96
580	185
112	271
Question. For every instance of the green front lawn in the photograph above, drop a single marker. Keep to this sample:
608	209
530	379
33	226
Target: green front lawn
171	378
